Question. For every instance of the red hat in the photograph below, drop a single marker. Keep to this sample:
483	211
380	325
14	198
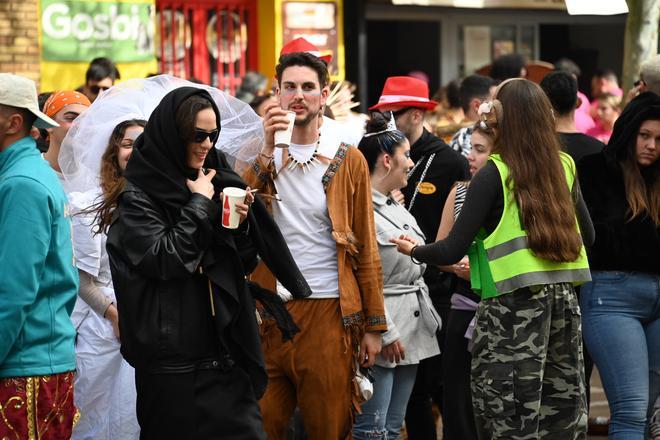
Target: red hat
302	45
405	91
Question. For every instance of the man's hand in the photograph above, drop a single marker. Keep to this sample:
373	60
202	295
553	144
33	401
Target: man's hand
203	184
632	93
275	119
394	352
369	349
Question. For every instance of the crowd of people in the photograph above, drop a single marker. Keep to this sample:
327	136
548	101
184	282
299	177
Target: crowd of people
481	257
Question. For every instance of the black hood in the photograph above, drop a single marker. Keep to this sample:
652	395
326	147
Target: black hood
158	162
643	108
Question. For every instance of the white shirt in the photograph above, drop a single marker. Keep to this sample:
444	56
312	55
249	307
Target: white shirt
302	215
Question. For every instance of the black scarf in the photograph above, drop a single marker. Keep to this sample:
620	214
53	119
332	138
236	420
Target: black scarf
158	167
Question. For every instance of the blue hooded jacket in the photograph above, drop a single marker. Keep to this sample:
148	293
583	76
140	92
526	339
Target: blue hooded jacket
38	278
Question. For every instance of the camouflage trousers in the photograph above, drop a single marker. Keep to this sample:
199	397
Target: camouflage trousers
527	366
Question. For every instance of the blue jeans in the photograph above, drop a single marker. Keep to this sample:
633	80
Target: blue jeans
382	415
621	327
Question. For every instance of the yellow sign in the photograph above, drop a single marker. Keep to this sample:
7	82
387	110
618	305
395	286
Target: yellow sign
69	76
86	22
321	22
426	188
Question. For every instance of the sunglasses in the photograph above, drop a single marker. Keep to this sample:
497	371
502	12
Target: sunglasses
389	114
639	82
96	89
200	135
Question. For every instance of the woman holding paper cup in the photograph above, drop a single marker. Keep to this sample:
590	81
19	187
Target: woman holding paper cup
188	314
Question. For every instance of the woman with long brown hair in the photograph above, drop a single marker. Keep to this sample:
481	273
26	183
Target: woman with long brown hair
104	382
518	225
621	306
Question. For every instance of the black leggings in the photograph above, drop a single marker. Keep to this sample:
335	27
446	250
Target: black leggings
458	417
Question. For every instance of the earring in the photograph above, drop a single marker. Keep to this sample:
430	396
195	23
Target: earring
389	170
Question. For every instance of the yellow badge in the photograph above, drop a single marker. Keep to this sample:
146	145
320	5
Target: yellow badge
426	188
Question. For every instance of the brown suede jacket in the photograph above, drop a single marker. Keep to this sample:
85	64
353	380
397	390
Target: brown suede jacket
348	192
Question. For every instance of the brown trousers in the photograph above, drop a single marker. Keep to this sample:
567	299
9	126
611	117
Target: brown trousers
314	372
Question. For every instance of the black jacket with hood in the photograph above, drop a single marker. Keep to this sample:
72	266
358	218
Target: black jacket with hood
179	276
621	244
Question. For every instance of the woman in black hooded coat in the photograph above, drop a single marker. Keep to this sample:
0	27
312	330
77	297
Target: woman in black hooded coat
621	306
188	321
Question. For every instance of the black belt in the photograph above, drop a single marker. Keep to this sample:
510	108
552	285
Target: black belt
225	364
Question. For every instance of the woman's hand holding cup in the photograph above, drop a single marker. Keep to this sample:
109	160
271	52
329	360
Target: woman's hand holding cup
243	208
203	184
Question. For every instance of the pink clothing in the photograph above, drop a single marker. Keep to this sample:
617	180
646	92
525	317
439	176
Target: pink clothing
600	133
584	105
583	120
594	104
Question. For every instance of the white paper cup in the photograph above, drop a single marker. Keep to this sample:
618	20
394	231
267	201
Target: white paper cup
283	137
230	197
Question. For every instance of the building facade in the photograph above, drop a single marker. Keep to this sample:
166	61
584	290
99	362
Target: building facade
448	42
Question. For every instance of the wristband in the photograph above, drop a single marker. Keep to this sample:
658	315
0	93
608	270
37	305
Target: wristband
413	258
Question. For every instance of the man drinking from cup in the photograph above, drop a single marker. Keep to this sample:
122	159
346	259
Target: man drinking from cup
324	210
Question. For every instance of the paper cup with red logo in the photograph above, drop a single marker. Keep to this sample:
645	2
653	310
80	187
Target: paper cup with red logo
230	197
283	137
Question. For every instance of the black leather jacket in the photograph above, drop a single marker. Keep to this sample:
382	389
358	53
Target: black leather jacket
157	260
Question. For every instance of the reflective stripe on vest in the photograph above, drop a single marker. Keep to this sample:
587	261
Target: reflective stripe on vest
511	264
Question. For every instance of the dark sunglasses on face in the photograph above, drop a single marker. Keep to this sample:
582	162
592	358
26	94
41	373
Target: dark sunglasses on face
639	82
96	89
200	135
388	114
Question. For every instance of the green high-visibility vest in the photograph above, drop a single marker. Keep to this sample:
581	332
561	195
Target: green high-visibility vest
503	262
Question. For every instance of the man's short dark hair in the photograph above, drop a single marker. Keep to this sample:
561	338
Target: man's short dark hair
474	86
507	66
101	68
28	116
568	66
561	88
303	59
453	93
606	73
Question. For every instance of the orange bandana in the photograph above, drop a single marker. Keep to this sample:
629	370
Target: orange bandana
61	98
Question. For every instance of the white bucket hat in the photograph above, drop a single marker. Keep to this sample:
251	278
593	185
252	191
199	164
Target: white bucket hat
21	92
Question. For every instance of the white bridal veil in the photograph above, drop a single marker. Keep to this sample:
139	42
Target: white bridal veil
241	134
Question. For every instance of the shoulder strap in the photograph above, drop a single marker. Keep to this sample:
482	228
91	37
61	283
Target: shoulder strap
337	161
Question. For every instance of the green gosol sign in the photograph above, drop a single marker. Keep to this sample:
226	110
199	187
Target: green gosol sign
82	30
